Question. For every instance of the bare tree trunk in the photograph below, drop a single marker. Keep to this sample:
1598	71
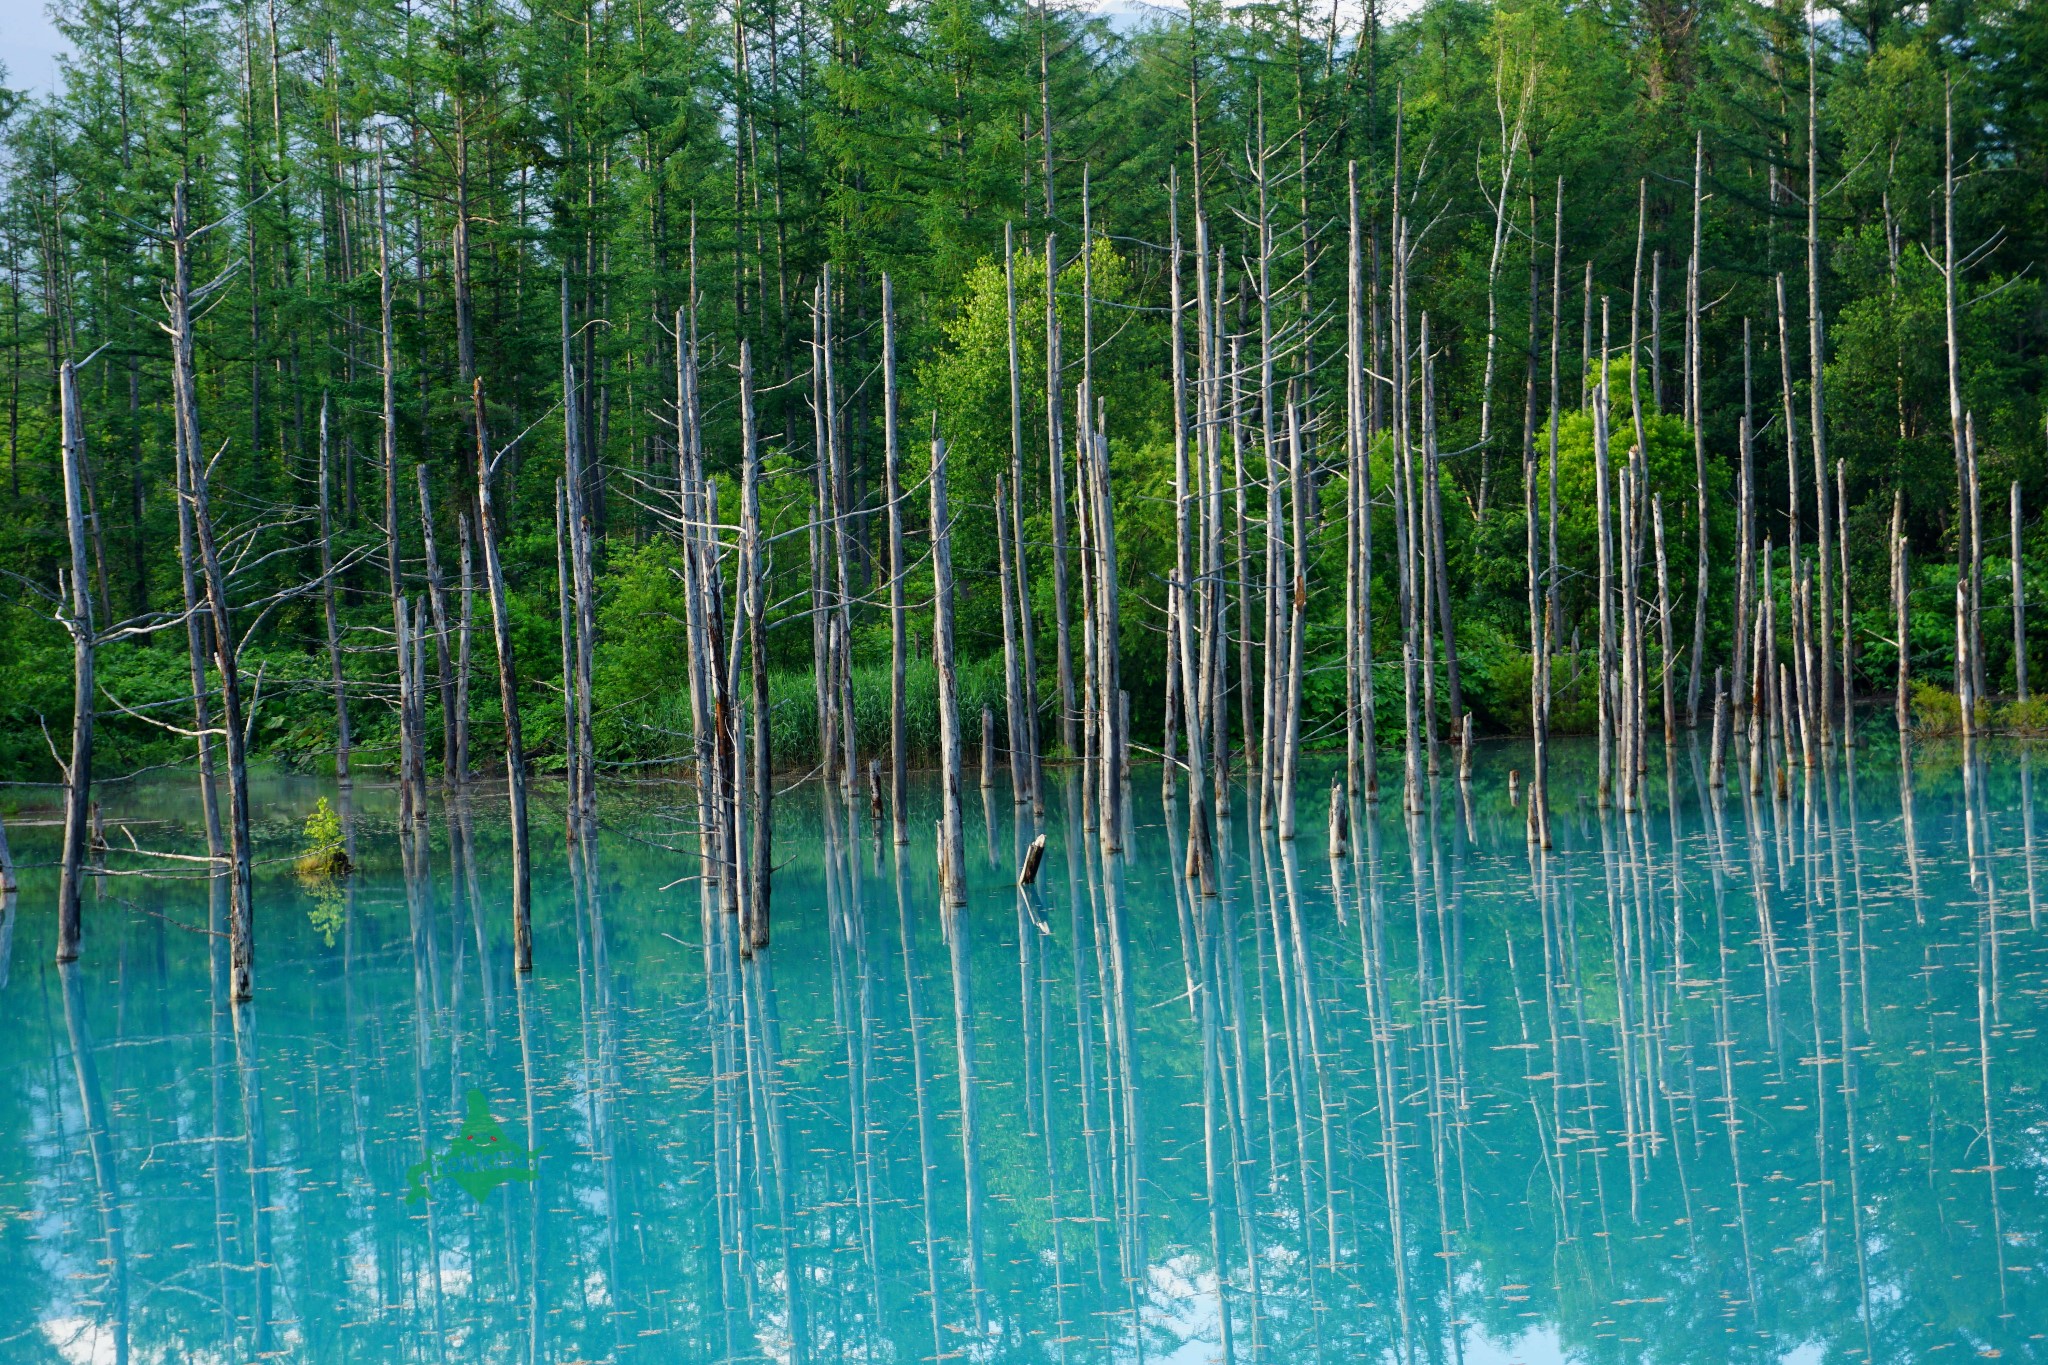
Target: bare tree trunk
241	931
241	928
407	783
756	610
1603	503
437	603
78	621
464	648
185	399
1297	640
1816	342
508	689
1664	620
582	579
1965	695
1745	541
341	741
1056	464
1979	683
1013	703
1902	698
1842	603
1538	647
899	758
952	856
1952	319
1695	379
1114	749
2019	602
1024	716
1439	564
1357	509
572	748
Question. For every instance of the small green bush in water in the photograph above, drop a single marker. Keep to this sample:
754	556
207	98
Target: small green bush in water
326	854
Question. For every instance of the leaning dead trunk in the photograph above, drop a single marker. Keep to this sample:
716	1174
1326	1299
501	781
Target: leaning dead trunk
508	690
193	494
78	620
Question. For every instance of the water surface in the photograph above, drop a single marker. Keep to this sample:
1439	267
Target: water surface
1726	1079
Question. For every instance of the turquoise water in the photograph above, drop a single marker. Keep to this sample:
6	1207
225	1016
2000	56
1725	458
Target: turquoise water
1729	1079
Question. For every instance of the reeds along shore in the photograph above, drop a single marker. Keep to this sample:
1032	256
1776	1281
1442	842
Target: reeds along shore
1303	420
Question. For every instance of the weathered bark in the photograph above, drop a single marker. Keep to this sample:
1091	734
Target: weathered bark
409	782
1186	673
2019	602
1024	714
193	493
1695	380
1114	748
952	856
464	647
1664	619
1357	505
1056	466
1816	343
755	608
508	688
1297	635
1603	514
582	577
1974	645
1013	702
1848	657
78	622
1901	621
241	910
899	758
341	739
1952	323
185	408
1745	541
437	603
572	768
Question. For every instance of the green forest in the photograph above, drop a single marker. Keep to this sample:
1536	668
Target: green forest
1379	239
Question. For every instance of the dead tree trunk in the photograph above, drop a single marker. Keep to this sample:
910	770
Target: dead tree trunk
1902	697
2019	602
408	793
185	446
1012	701
1057	492
77	616
755	607
899	739
341	741
437	604
572	770
1025	723
464	648
952	856
508	688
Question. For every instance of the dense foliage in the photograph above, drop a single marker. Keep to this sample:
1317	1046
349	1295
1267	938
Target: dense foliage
628	150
